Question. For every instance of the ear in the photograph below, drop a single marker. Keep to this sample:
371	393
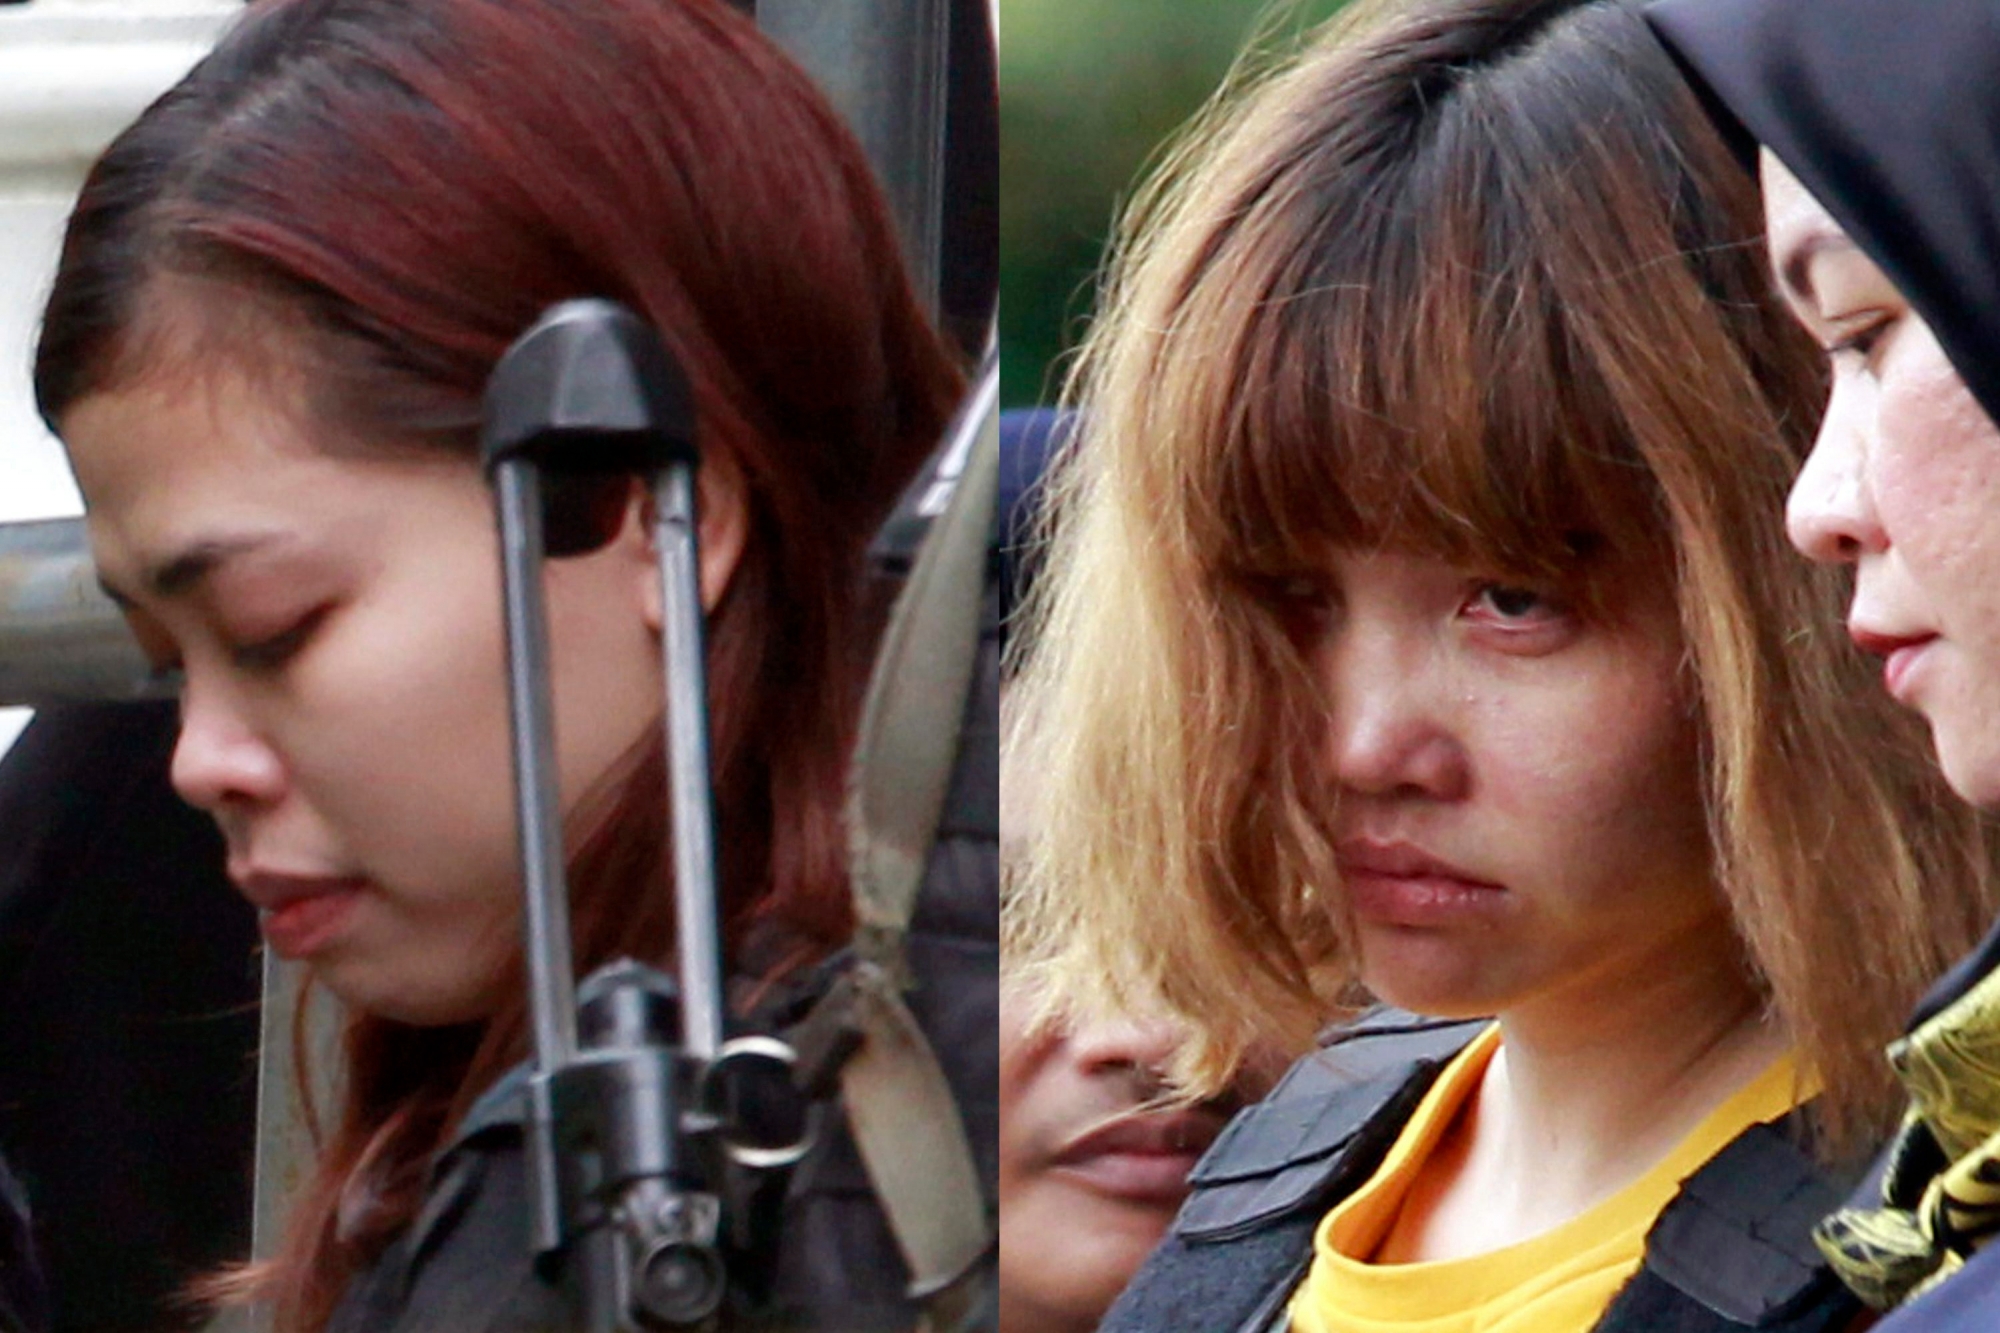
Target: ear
722	508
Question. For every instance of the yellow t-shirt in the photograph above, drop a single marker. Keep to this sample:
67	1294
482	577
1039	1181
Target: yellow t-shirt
1558	1282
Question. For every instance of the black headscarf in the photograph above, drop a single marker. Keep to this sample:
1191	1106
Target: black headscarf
1889	112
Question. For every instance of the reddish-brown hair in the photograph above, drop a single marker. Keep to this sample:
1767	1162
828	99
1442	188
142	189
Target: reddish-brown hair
407	186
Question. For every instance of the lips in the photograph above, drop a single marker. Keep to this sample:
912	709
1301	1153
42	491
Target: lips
1142	1156
1400	884
1900	654
299	914
1363	856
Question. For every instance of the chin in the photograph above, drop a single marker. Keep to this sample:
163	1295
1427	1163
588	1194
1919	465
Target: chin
422	1003
1979	786
1433	997
1970	759
1064	1258
1429	977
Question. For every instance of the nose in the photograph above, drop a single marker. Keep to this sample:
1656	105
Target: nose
221	764
1830	515
1123	1045
1391	734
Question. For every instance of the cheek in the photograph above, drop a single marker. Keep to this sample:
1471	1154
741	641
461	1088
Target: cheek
1935	468
1599	768
1024	1065
605	670
410	756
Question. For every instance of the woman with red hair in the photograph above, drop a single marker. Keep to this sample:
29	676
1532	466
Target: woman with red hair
280	296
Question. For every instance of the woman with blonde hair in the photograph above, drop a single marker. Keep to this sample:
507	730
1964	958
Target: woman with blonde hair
1420	627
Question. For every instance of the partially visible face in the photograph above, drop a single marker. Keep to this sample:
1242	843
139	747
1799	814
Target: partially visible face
1903	483
1517	793
1089	1175
344	717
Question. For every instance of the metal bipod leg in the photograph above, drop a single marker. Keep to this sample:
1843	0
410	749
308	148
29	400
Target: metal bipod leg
617	1138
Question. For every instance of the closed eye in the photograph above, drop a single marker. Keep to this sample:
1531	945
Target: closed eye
1296	590
1302	603
274	652
163	662
1863	341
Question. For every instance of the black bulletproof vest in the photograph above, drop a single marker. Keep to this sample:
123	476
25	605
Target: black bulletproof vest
1733	1251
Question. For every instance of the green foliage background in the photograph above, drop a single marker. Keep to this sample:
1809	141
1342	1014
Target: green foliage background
1088	91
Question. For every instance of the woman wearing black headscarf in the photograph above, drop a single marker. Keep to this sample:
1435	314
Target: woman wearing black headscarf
1880	133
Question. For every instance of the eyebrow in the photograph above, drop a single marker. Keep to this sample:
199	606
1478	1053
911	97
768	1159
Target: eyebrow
1797	271
183	571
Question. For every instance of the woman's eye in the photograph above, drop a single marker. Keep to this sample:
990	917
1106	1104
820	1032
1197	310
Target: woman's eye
1297	595
1518	620
1508	602
1299	603
1298	589
271	653
1862	342
163	659
165	676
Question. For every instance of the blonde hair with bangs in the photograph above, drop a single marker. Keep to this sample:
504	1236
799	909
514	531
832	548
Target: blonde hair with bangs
1475	279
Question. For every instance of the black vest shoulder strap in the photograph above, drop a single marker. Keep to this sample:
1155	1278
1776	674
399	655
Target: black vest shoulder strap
1734	1250
1310	1136
1244	1236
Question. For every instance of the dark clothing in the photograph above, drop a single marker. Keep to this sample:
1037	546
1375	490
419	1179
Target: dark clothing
465	1267
128	986
24	1298
1029	439
1889	113
1975	967
1967	1302
1733	1251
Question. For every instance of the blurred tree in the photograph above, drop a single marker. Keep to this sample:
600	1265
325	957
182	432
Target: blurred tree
1089	90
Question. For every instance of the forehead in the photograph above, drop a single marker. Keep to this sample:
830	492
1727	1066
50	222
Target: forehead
166	467
171	443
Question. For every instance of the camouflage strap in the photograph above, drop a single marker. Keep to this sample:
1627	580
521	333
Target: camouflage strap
1941	1193
911	721
913	1142
906	1125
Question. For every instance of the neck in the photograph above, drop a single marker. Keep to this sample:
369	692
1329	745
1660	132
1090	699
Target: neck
1589	1091
1682	1039
1593	1086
